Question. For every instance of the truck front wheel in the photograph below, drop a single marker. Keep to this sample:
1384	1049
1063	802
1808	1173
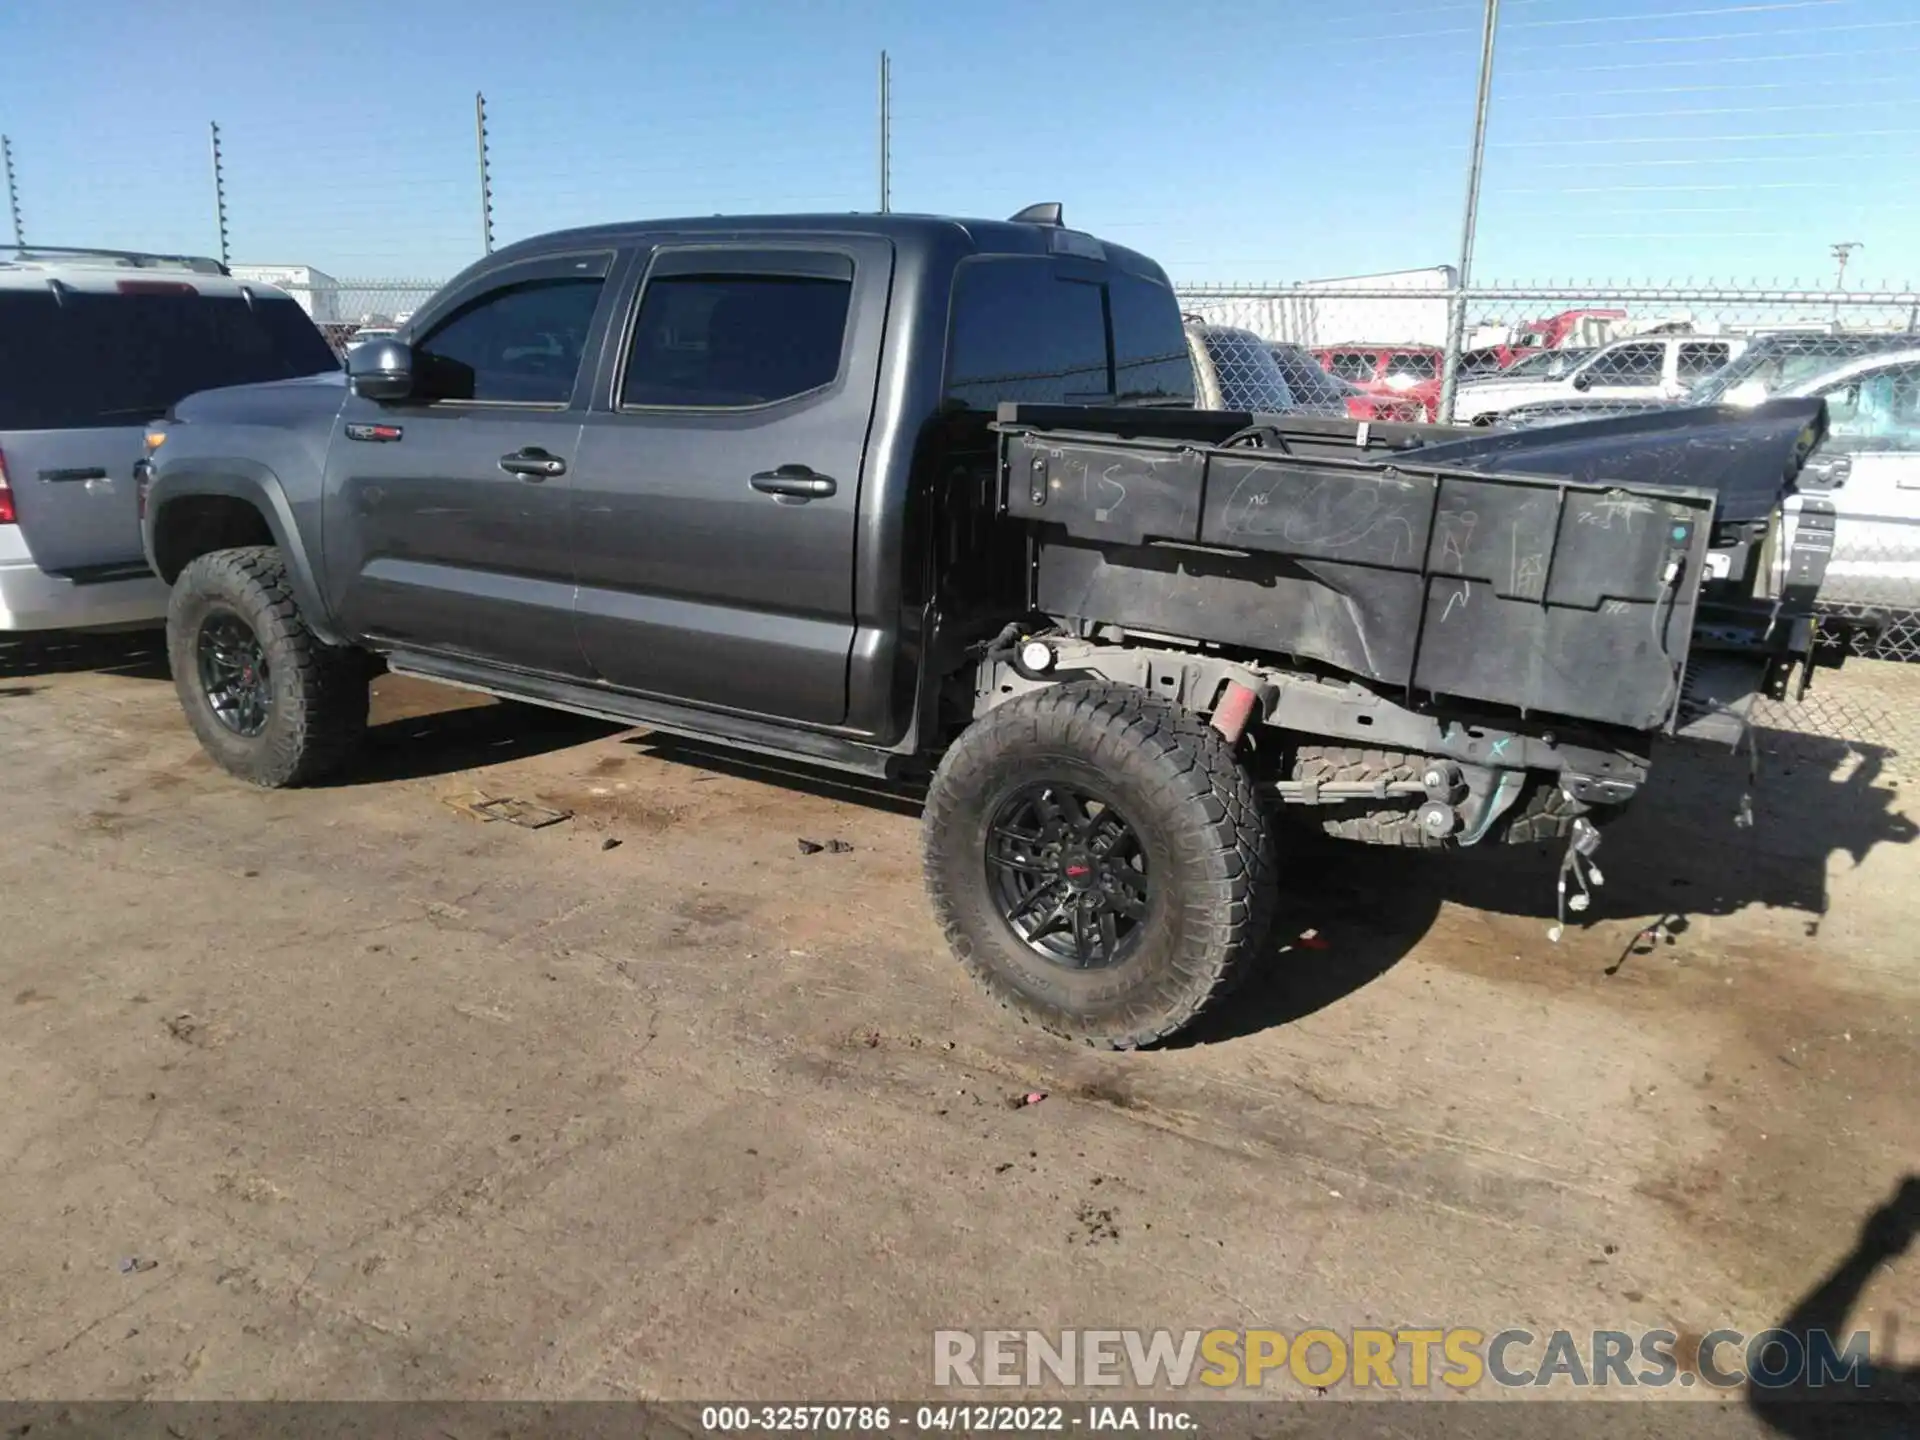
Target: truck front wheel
268	700
1099	861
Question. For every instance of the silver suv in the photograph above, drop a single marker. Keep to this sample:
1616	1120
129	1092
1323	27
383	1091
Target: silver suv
93	345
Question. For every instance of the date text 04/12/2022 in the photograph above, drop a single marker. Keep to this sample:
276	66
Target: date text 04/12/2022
1025	1419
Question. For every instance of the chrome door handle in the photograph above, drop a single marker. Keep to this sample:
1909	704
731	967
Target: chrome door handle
533	463
793	484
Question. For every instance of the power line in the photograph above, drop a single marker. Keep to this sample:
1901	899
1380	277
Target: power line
1797	56
1801	84
1769	34
1743	187
1708	139
1685	113
1721	162
1676	14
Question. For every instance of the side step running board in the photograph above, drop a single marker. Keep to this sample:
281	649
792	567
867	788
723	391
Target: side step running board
736	731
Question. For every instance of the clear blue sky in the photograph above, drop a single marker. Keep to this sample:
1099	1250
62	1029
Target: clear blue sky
1262	140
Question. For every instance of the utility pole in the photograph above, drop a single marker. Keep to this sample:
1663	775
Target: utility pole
1841	251
886	133
1457	324
486	171
13	190
219	190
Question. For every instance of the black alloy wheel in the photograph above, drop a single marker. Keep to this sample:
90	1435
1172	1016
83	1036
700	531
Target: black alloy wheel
1068	874
234	674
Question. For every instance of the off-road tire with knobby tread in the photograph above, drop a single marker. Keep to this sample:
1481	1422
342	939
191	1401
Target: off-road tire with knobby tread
1194	808
1542	813
319	709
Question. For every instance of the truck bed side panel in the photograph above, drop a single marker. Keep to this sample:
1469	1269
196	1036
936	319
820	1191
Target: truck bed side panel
1529	591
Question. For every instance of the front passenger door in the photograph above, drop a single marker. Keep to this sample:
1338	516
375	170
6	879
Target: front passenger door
446	515
1626	372
1873	420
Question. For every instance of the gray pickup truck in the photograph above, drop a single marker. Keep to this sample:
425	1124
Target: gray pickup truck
927	497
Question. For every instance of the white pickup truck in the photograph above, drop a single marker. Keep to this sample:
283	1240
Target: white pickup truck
1646	367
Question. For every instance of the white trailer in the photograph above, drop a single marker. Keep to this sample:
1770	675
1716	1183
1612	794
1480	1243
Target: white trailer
1397	307
315	291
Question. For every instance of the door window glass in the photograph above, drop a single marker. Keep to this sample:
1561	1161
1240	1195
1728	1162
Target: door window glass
1701	358
1628	365
1879	411
731	340
519	343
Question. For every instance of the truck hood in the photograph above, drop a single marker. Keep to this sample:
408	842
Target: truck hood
1749	455
271	402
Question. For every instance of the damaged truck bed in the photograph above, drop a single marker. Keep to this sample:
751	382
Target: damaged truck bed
1542	601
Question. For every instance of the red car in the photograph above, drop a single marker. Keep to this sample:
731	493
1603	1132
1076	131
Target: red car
1402	373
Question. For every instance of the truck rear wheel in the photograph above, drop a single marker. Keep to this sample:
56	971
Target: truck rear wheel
1543	812
1099	862
268	700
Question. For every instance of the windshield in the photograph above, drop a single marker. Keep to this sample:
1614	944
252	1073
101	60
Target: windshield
1249	377
1773	369
1413	365
1309	382
1547	364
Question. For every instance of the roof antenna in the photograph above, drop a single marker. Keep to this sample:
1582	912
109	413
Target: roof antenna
1047	213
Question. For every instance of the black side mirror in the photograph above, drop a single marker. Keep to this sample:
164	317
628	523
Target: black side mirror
381	370
1583	382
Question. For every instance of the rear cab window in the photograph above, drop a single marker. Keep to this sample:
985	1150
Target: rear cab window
1039	331
90	359
1352	365
1412	365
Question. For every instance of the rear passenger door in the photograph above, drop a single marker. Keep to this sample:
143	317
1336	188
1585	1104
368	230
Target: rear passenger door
717	492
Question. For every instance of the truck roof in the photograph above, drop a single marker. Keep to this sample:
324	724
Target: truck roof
999	237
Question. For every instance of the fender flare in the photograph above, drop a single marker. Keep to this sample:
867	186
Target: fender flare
234	478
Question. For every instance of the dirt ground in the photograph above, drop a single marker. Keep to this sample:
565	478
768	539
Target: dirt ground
346	1093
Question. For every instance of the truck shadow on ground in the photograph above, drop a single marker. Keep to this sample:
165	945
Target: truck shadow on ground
898	797
1349	913
418	730
136	654
1888	1404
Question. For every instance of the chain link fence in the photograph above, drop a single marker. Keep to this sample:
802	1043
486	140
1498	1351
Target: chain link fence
346	308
